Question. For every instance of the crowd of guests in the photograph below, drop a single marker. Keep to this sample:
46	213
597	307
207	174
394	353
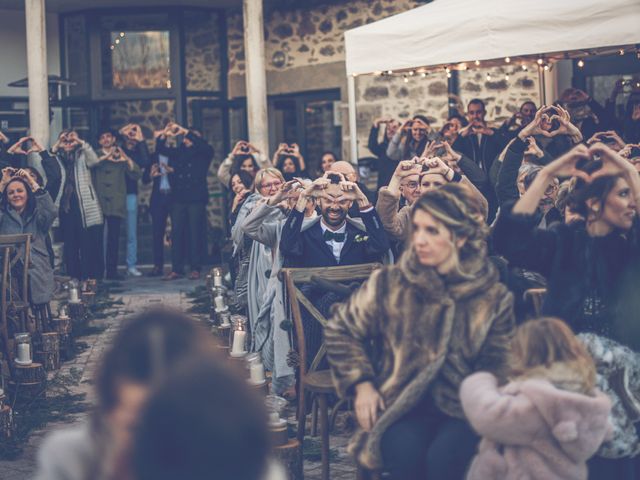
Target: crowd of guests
452	373
90	193
452	370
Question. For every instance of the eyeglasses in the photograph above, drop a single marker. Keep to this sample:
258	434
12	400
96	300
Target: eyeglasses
411	185
271	185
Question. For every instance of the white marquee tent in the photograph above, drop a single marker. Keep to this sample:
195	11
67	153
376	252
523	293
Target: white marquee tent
447	32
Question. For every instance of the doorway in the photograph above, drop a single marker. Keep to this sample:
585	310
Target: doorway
311	120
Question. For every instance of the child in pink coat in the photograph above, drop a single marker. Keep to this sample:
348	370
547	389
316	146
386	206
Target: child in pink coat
548	420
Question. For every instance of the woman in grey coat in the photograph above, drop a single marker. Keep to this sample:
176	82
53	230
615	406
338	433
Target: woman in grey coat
27	208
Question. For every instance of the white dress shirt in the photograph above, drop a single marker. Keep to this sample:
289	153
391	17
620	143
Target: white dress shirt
336	247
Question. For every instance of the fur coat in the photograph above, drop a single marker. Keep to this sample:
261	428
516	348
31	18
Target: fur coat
409	330
532	429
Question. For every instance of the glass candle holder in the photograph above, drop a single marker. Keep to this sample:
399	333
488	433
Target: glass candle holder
275	405
74	292
217	277
238	338
63	312
23	349
256	369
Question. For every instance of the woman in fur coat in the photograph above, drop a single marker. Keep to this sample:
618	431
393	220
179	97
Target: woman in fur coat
405	341
549	419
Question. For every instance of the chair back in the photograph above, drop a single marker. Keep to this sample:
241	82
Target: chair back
536	296
292	278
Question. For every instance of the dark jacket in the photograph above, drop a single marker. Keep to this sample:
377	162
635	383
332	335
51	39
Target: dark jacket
190	167
140	155
386	166
308	248
157	201
484	153
37	223
589	278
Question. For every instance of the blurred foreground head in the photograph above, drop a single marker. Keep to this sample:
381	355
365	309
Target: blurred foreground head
202	423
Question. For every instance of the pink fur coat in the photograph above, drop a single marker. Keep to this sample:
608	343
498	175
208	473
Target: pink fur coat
531	429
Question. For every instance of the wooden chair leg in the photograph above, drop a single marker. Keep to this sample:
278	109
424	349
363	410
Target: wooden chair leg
335	410
314	417
324	425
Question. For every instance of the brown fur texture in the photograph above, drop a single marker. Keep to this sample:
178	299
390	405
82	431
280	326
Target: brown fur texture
409	330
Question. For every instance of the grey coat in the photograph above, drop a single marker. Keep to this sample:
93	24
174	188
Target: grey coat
272	312
37	223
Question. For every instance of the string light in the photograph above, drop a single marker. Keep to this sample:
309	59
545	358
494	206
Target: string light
390	72
540	61
412	73
580	63
112	47
488	76
448	74
447	69
121	34
423	74
117	41
477	62
506	77
524	67
463	66
377	73
406	80
546	68
621	51
507	60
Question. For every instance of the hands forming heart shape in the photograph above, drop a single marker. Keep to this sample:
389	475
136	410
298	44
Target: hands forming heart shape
551	121
590	163
25	146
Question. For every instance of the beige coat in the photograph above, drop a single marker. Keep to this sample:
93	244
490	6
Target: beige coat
427	332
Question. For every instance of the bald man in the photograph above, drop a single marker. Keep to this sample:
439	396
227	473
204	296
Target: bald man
351	174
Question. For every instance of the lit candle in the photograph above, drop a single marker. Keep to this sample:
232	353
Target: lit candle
239	337
73	295
219	301
225	320
24	355
274	418
256	371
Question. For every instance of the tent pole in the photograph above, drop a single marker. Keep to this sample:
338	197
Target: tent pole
353	132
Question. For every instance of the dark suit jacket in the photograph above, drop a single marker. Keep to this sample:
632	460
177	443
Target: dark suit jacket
483	153
308	248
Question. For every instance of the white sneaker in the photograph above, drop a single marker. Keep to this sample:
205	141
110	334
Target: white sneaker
134	272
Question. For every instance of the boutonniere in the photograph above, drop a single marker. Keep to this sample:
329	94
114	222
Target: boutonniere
361	238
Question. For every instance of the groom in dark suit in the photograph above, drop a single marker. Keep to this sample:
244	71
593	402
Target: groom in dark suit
332	240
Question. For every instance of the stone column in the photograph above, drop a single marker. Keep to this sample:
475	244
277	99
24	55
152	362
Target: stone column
37	70
256	75
353	120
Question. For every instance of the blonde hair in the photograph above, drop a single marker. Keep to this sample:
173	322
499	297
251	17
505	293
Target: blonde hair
454	206
274	172
545	341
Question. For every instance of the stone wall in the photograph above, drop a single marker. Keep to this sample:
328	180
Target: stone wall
391	96
202	51
302	44
297	38
502	97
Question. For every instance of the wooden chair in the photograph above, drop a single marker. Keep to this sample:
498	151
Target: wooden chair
20	247
312	380
536	296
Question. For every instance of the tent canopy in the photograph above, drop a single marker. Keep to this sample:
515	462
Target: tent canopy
451	31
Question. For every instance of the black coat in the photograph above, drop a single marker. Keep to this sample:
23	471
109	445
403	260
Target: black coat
589	278
386	166
140	155
190	168
309	249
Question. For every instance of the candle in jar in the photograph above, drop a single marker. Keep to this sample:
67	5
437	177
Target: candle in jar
24	355
239	337
256	371
274	418
217	280
219	301
73	295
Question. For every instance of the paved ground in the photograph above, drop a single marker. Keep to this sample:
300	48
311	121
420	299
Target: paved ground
141	293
